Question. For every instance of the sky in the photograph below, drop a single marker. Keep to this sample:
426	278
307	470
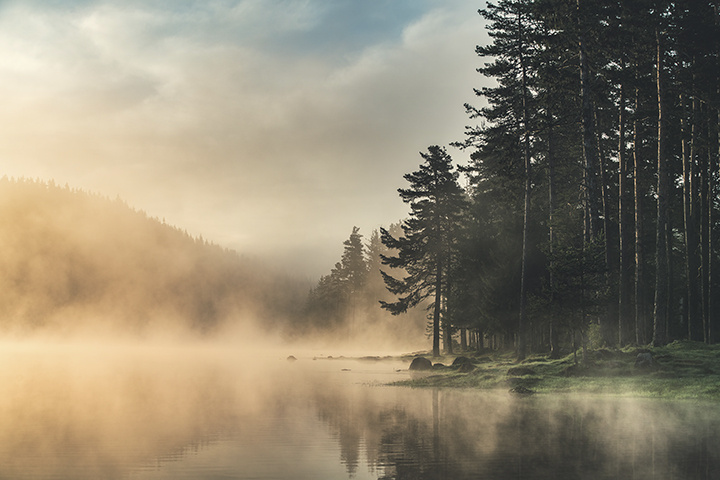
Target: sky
270	127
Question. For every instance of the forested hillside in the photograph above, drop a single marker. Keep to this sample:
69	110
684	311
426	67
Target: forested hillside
72	260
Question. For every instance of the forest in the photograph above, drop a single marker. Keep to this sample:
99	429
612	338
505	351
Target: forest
77	262
591	212
588	214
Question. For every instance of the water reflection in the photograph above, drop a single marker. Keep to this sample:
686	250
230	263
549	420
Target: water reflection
200	413
420	434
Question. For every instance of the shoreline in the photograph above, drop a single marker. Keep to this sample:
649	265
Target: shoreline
681	370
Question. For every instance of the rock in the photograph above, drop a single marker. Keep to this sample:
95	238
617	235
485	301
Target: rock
291	358
370	359
461	361
421	363
466	368
644	360
520	371
520	390
437	366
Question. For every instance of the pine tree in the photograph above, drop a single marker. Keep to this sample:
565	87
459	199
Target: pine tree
429	236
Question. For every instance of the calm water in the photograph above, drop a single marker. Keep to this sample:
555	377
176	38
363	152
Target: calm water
148	412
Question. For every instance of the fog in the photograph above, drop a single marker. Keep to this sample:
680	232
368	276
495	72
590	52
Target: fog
268	126
82	410
95	409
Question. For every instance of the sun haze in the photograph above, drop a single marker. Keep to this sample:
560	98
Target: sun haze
269	127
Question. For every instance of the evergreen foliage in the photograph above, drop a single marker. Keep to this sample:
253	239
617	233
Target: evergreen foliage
592	183
429	238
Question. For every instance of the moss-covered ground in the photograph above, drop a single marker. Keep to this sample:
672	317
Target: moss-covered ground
680	370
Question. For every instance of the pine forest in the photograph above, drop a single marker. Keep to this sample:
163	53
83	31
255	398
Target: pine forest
591	213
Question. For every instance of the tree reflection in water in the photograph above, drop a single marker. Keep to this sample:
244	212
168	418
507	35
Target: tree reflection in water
72	412
411	434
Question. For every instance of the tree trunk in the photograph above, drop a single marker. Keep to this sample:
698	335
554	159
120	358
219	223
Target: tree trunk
661	250
639	277
691	238
523	321
436	311
608	327
592	195
706	213
554	340
625	260
447	338
695	324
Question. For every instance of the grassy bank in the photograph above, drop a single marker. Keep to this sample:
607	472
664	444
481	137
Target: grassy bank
682	370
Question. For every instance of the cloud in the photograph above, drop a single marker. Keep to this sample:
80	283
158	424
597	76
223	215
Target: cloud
265	125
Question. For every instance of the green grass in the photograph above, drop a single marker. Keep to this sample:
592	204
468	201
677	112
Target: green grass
682	370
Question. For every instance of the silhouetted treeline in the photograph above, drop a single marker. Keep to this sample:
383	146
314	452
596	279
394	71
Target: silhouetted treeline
344	302
70	259
592	182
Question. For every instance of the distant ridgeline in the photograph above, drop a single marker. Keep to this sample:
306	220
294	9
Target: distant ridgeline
69	258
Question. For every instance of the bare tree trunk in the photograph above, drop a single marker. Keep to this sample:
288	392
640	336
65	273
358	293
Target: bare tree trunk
447	338
705	166
554	340
638	194
592	195
624	237
661	250
436	311
691	238
608	327
523	321
695	328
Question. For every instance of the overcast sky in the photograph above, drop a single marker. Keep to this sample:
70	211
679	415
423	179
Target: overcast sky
271	127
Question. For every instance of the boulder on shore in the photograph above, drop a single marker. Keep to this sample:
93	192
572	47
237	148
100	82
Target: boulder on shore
421	363
520	371
461	361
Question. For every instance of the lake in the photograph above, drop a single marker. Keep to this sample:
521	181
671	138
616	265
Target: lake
147	411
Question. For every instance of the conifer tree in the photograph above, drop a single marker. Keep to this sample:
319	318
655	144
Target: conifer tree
429	236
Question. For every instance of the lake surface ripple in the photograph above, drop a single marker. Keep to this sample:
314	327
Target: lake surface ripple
188	412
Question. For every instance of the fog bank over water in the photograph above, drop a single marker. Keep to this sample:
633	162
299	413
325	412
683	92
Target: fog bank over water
76	264
161	410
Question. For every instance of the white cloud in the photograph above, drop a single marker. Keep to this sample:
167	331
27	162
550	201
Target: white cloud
195	115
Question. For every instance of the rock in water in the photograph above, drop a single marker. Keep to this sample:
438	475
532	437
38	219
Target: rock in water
421	363
520	390
291	358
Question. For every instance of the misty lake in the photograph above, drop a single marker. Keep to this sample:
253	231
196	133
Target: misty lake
142	411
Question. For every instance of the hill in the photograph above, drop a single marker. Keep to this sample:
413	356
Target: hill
70	259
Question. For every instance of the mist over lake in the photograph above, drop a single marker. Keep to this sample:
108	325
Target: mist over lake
400	240
206	411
